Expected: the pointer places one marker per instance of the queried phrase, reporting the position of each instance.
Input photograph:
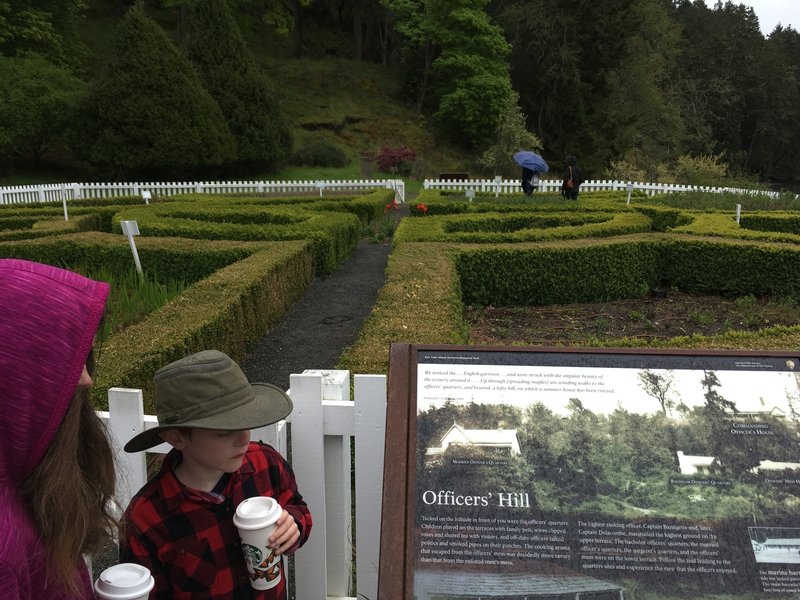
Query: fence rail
(323, 422)
(511, 186)
(60, 192)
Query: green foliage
(622, 170)
(132, 296)
(150, 115)
(240, 88)
(556, 275)
(511, 136)
(515, 228)
(785, 222)
(47, 29)
(640, 115)
(706, 169)
(597, 272)
(458, 57)
(230, 310)
(332, 225)
(320, 153)
(37, 102)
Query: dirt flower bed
(676, 314)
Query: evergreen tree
(471, 78)
(640, 118)
(658, 387)
(775, 121)
(242, 90)
(37, 102)
(510, 136)
(456, 60)
(43, 28)
(720, 60)
(150, 116)
(546, 70)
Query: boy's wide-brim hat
(208, 390)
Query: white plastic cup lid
(126, 580)
(257, 512)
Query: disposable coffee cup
(255, 519)
(126, 581)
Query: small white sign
(129, 228)
(146, 196)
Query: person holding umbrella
(532, 164)
(530, 181)
(573, 178)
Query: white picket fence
(60, 192)
(499, 186)
(323, 422)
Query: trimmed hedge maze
(246, 259)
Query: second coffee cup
(126, 581)
(255, 519)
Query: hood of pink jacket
(48, 319)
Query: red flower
(423, 208)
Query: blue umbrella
(532, 161)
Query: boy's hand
(285, 535)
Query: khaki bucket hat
(208, 390)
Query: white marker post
(738, 212)
(630, 191)
(146, 196)
(130, 229)
(470, 194)
(321, 186)
(63, 192)
(497, 180)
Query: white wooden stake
(130, 229)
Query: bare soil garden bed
(676, 314)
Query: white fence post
(307, 449)
(370, 428)
(338, 428)
(127, 407)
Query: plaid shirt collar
(174, 492)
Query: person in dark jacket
(530, 181)
(573, 178)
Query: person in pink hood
(56, 465)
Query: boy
(180, 524)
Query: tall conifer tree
(150, 115)
(240, 87)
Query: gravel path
(326, 320)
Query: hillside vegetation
(637, 89)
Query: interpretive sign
(542, 472)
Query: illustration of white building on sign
(709, 465)
(495, 439)
(772, 465)
(697, 465)
(775, 545)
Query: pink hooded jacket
(48, 318)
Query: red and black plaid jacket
(187, 538)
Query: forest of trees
(636, 88)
